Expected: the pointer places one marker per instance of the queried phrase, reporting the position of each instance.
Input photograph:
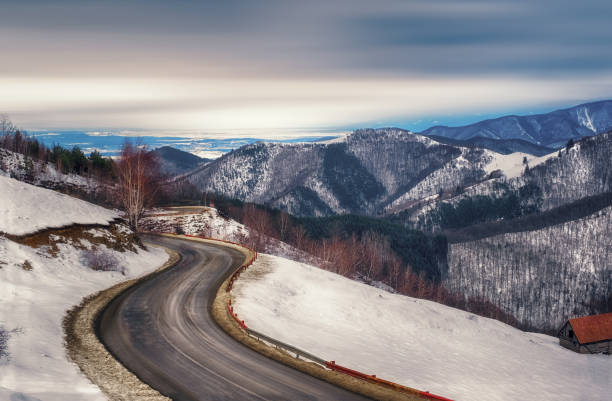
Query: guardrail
(332, 365)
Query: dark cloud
(202, 63)
(311, 38)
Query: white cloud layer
(267, 106)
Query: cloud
(283, 65)
(276, 106)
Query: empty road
(162, 330)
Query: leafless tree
(283, 225)
(139, 177)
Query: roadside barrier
(332, 365)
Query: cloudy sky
(277, 67)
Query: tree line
(369, 249)
(67, 161)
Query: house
(588, 335)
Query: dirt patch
(355, 385)
(116, 237)
(85, 349)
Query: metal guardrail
(290, 348)
(304, 354)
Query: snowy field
(512, 165)
(34, 296)
(25, 209)
(414, 342)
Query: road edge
(231, 327)
(85, 349)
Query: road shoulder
(91, 356)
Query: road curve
(163, 331)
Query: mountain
(503, 146)
(571, 174)
(552, 129)
(174, 162)
(363, 173)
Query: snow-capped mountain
(363, 173)
(552, 129)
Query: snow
(585, 119)
(13, 164)
(34, 298)
(414, 342)
(25, 209)
(339, 139)
(512, 164)
(35, 301)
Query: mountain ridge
(551, 129)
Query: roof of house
(590, 329)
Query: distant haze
(279, 68)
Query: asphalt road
(163, 331)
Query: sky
(290, 68)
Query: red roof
(590, 329)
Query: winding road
(163, 331)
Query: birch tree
(138, 177)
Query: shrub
(5, 335)
(27, 265)
(102, 260)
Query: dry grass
(118, 238)
(86, 350)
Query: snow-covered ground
(512, 165)
(37, 286)
(195, 220)
(14, 164)
(25, 208)
(414, 342)
(206, 221)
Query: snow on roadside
(206, 221)
(414, 342)
(25, 209)
(38, 285)
(34, 300)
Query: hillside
(552, 129)
(413, 342)
(173, 161)
(503, 146)
(541, 277)
(363, 173)
(27, 209)
(584, 170)
(44, 273)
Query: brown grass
(90, 355)
(117, 239)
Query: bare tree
(138, 176)
(283, 224)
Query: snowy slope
(25, 208)
(205, 221)
(414, 342)
(512, 165)
(38, 285)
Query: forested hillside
(580, 170)
(541, 277)
(365, 173)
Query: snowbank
(25, 208)
(34, 302)
(38, 285)
(414, 342)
